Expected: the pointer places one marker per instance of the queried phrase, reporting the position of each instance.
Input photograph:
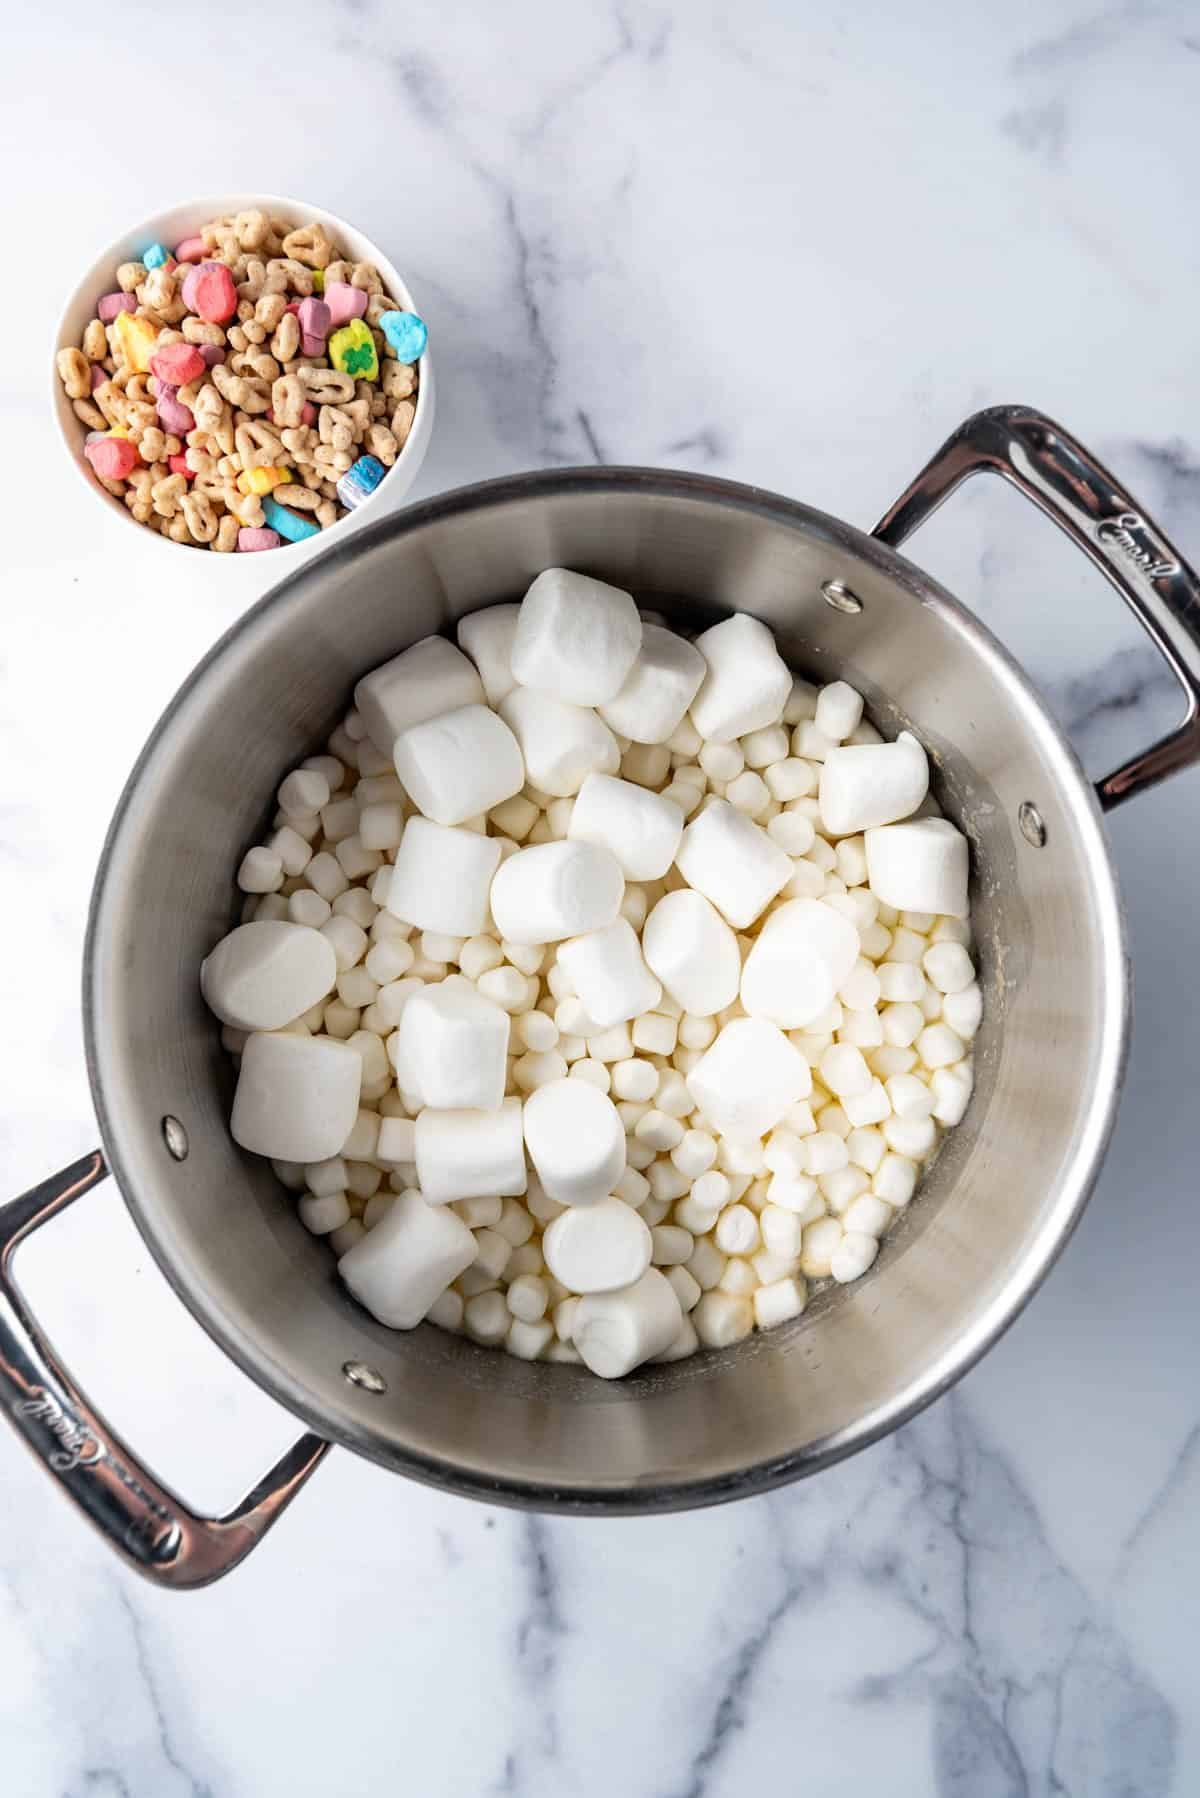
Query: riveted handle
(1097, 513)
(142, 1520)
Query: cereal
(253, 357)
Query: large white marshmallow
(429, 678)
(872, 783)
(555, 890)
(747, 681)
(575, 1140)
(608, 973)
(262, 975)
(801, 958)
(459, 764)
(749, 1078)
(402, 1266)
(658, 689)
(640, 827)
(921, 866)
(487, 637)
(442, 877)
(732, 862)
(695, 954)
(450, 1047)
(576, 637)
(297, 1096)
(561, 744)
(617, 1331)
(470, 1154)
(597, 1248)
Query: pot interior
(990, 1214)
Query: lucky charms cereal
(246, 389)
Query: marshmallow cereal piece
(640, 827)
(487, 637)
(617, 1331)
(692, 950)
(747, 681)
(554, 890)
(470, 1154)
(575, 1140)
(866, 785)
(597, 1248)
(801, 958)
(731, 861)
(402, 1266)
(459, 764)
(658, 689)
(561, 743)
(441, 878)
(576, 637)
(919, 866)
(297, 1096)
(262, 975)
(609, 975)
(450, 1047)
(749, 1078)
(431, 677)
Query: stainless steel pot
(996, 1208)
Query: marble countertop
(795, 247)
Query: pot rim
(1043, 1249)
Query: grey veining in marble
(795, 247)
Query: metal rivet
(176, 1138)
(839, 596)
(1032, 827)
(359, 1374)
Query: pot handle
(141, 1519)
(1071, 487)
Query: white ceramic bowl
(259, 571)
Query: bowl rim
(214, 206)
(688, 1491)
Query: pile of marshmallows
(592, 991)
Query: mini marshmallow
(749, 1078)
(404, 1264)
(722, 1318)
(611, 978)
(733, 863)
(853, 1256)
(598, 1248)
(487, 637)
(640, 827)
(561, 743)
(692, 950)
(658, 689)
(618, 1331)
(839, 711)
(746, 682)
(864, 787)
(442, 877)
(429, 678)
(921, 866)
(262, 975)
(459, 764)
(554, 890)
(576, 638)
(575, 1141)
(802, 956)
(470, 1154)
(297, 1096)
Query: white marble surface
(795, 247)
